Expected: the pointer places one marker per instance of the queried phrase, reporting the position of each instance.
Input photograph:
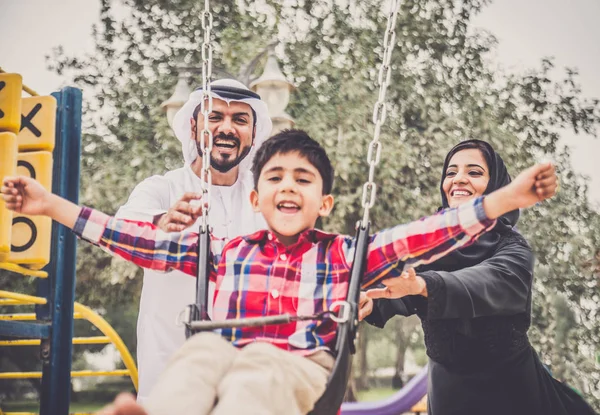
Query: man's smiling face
(232, 126)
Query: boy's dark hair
(288, 141)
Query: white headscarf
(227, 90)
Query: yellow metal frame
(20, 299)
(9, 266)
(106, 329)
(30, 92)
(80, 312)
(74, 374)
(76, 340)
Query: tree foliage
(443, 89)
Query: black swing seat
(331, 400)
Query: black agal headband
(231, 92)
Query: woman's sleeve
(384, 309)
(500, 285)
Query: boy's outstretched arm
(25, 195)
(138, 242)
(533, 185)
(426, 240)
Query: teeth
(460, 193)
(288, 205)
(228, 144)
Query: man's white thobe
(165, 295)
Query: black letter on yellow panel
(32, 234)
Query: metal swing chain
(206, 147)
(369, 188)
(379, 111)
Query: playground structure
(42, 129)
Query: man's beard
(226, 164)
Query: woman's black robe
(475, 320)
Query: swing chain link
(380, 111)
(206, 137)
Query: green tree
(443, 89)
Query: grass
(91, 407)
(76, 407)
(375, 394)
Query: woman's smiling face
(466, 177)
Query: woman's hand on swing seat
(365, 306)
(408, 283)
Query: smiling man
(233, 137)
(239, 122)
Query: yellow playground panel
(8, 167)
(25, 240)
(11, 85)
(30, 241)
(31, 235)
(27, 139)
(38, 124)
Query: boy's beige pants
(210, 376)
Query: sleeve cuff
(472, 217)
(376, 317)
(90, 224)
(436, 293)
(384, 310)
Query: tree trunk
(361, 382)
(403, 329)
(351, 395)
(401, 343)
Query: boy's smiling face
(290, 196)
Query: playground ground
(91, 407)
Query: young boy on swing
(289, 268)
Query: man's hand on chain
(182, 214)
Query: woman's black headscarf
(485, 245)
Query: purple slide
(396, 404)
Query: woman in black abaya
(476, 310)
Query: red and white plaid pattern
(256, 275)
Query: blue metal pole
(56, 376)
(26, 330)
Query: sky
(568, 31)
(527, 31)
